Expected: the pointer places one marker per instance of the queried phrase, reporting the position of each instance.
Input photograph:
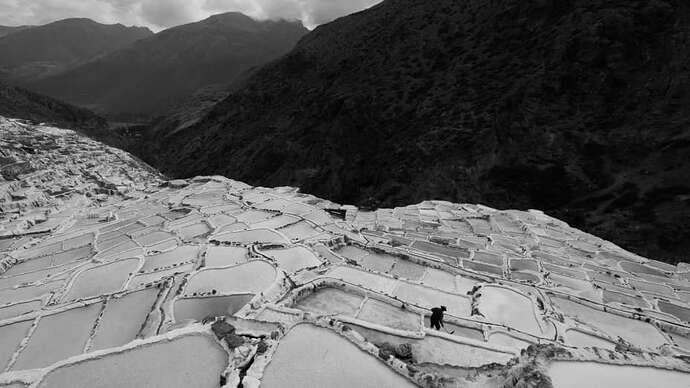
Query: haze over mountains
(33, 52)
(576, 108)
(149, 76)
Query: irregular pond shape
(58, 336)
(508, 340)
(183, 254)
(567, 374)
(330, 301)
(10, 337)
(299, 231)
(199, 308)
(426, 297)
(103, 279)
(362, 278)
(682, 313)
(636, 332)
(385, 314)
(188, 361)
(326, 360)
(508, 307)
(251, 236)
(408, 270)
(18, 309)
(582, 339)
(221, 256)
(123, 318)
(293, 259)
(154, 238)
(252, 277)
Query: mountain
(153, 74)
(22, 104)
(38, 51)
(576, 107)
(6, 30)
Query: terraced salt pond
(123, 318)
(334, 363)
(103, 279)
(636, 332)
(508, 307)
(199, 308)
(187, 361)
(121, 292)
(253, 236)
(293, 259)
(222, 256)
(10, 337)
(252, 277)
(58, 336)
(571, 374)
(437, 350)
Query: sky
(161, 14)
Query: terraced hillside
(210, 281)
(573, 107)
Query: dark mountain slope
(576, 107)
(152, 74)
(6, 30)
(23, 104)
(37, 51)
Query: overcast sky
(160, 14)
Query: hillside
(6, 30)
(22, 104)
(153, 74)
(576, 107)
(112, 276)
(38, 51)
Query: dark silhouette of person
(437, 317)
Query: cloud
(160, 14)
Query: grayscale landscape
(377, 195)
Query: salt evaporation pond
(200, 308)
(18, 309)
(252, 277)
(636, 332)
(310, 356)
(293, 259)
(508, 307)
(123, 318)
(570, 374)
(260, 236)
(104, 279)
(10, 337)
(58, 336)
(188, 361)
(222, 256)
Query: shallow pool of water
(310, 356)
(293, 259)
(58, 336)
(505, 306)
(104, 279)
(567, 374)
(200, 308)
(189, 361)
(252, 277)
(123, 318)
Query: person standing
(437, 317)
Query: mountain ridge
(37, 51)
(538, 104)
(152, 74)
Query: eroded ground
(110, 275)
